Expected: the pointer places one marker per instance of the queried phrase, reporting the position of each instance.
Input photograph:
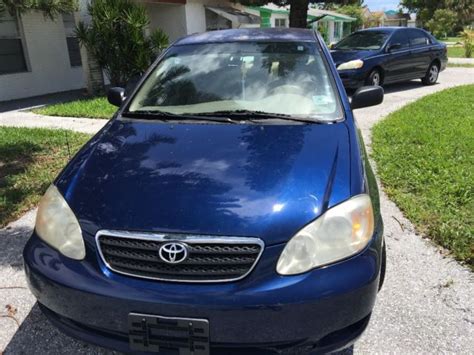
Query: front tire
(431, 76)
(374, 78)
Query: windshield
(366, 40)
(277, 78)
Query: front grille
(209, 259)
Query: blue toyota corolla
(227, 208)
(385, 55)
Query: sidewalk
(461, 60)
(32, 120)
(17, 113)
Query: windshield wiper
(247, 115)
(228, 116)
(169, 116)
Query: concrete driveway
(426, 305)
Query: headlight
(342, 231)
(57, 225)
(353, 64)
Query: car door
(420, 52)
(397, 62)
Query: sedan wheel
(431, 76)
(374, 78)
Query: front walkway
(461, 61)
(426, 305)
(32, 120)
(16, 114)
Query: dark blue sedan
(384, 55)
(227, 208)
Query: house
(387, 18)
(372, 18)
(40, 56)
(181, 17)
(396, 18)
(332, 25)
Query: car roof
(383, 29)
(250, 35)
(391, 29)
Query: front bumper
(353, 78)
(321, 310)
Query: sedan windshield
(365, 40)
(285, 79)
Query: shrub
(50, 8)
(116, 38)
(442, 23)
(468, 42)
(354, 11)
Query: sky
(382, 4)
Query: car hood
(266, 181)
(339, 56)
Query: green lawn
(456, 52)
(97, 107)
(425, 159)
(29, 161)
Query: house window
(72, 41)
(337, 30)
(280, 22)
(12, 54)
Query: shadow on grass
(15, 159)
(49, 99)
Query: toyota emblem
(173, 253)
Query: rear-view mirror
(367, 96)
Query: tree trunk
(299, 13)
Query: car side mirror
(394, 46)
(116, 96)
(367, 96)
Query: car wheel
(383, 266)
(431, 76)
(374, 78)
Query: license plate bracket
(182, 336)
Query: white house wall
(48, 61)
(168, 17)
